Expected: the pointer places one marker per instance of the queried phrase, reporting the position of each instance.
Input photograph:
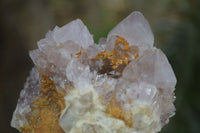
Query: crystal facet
(122, 85)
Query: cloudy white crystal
(145, 87)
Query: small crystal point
(75, 31)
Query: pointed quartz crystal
(74, 31)
(61, 44)
(152, 67)
(135, 29)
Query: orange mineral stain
(115, 110)
(47, 109)
(121, 54)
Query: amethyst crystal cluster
(122, 85)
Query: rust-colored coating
(115, 110)
(47, 109)
(120, 55)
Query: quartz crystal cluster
(122, 85)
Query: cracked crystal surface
(122, 85)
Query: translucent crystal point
(152, 67)
(135, 29)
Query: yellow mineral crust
(116, 110)
(47, 109)
(120, 55)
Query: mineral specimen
(122, 85)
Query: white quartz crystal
(122, 85)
